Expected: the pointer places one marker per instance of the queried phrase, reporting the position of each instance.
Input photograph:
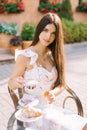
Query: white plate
(23, 119)
(30, 100)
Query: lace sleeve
(27, 53)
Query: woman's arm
(16, 79)
(56, 91)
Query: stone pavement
(76, 78)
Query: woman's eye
(46, 30)
(54, 33)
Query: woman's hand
(17, 82)
(50, 96)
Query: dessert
(46, 93)
(30, 112)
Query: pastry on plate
(30, 112)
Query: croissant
(30, 112)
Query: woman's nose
(48, 36)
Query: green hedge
(74, 32)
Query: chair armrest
(76, 99)
(20, 92)
(13, 97)
(11, 122)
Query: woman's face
(47, 36)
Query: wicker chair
(15, 98)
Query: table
(50, 112)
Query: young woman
(42, 65)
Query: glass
(30, 85)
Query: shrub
(83, 31)
(74, 32)
(8, 28)
(27, 32)
(66, 10)
(67, 31)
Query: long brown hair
(57, 47)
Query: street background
(76, 78)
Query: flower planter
(11, 7)
(26, 44)
(13, 48)
(4, 40)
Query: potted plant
(27, 34)
(15, 43)
(7, 31)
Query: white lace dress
(55, 118)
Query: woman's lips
(46, 41)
